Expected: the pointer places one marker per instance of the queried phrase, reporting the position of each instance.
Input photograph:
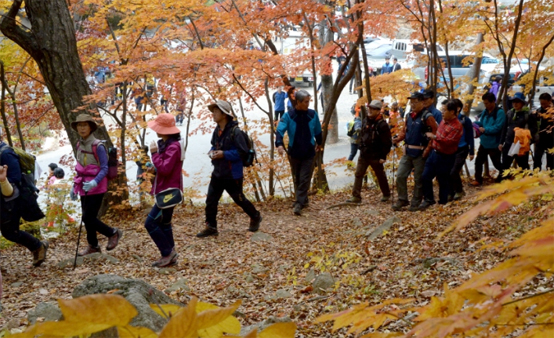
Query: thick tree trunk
(327, 87)
(51, 43)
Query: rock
(167, 271)
(357, 222)
(136, 291)
(16, 284)
(48, 311)
(262, 325)
(138, 258)
(323, 282)
(371, 212)
(98, 256)
(257, 268)
(260, 236)
(283, 293)
(385, 226)
(66, 263)
(310, 276)
(180, 284)
(248, 277)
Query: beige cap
(376, 104)
(224, 106)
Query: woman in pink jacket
(91, 183)
(168, 155)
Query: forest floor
(273, 274)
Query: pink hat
(164, 124)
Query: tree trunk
(51, 43)
(3, 104)
(327, 88)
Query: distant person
(395, 65)
(495, 86)
(279, 99)
(51, 177)
(429, 103)
(354, 127)
(387, 67)
(490, 123)
(304, 130)
(444, 145)
(545, 134)
(375, 144)
(466, 147)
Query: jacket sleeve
(431, 123)
(504, 127)
(533, 127)
(281, 129)
(468, 134)
(103, 159)
(166, 161)
(317, 130)
(498, 125)
(386, 139)
(10, 159)
(233, 155)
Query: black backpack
(248, 158)
(28, 192)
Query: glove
(153, 147)
(72, 194)
(89, 185)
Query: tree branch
(10, 28)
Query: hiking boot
(208, 231)
(450, 198)
(89, 250)
(458, 196)
(476, 184)
(385, 199)
(426, 204)
(297, 209)
(413, 208)
(167, 260)
(39, 255)
(255, 223)
(399, 205)
(354, 199)
(114, 240)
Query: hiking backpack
(249, 158)
(28, 192)
(113, 162)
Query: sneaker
(167, 260)
(255, 223)
(89, 250)
(385, 199)
(354, 199)
(426, 204)
(298, 209)
(459, 195)
(208, 231)
(114, 240)
(399, 205)
(39, 255)
(476, 184)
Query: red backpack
(113, 162)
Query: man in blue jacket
(304, 130)
(490, 122)
(387, 67)
(279, 99)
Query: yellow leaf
(135, 332)
(279, 330)
(169, 309)
(214, 321)
(183, 324)
(112, 310)
(68, 329)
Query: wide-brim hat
(224, 106)
(376, 104)
(518, 97)
(164, 124)
(85, 118)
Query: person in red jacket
(168, 155)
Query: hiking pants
(90, 206)
(540, 150)
(302, 170)
(522, 161)
(361, 169)
(440, 166)
(459, 161)
(10, 226)
(234, 189)
(407, 163)
(482, 157)
(158, 225)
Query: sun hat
(224, 106)
(376, 104)
(164, 124)
(518, 97)
(85, 118)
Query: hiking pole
(79, 237)
(393, 175)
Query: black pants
(302, 170)
(459, 161)
(90, 205)
(278, 115)
(353, 150)
(540, 150)
(11, 216)
(481, 158)
(234, 189)
(522, 161)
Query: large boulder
(47, 311)
(136, 291)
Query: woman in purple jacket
(168, 155)
(91, 183)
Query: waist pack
(169, 198)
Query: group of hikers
(437, 143)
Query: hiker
(518, 120)
(444, 145)
(465, 147)
(304, 130)
(279, 99)
(168, 155)
(354, 128)
(90, 182)
(545, 134)
(228, 146)
(375, 144)
(429, 103)
(387, 67)
(12, 206)
(490, 123)
(51, 177)
(395, 65)
(416, 149)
